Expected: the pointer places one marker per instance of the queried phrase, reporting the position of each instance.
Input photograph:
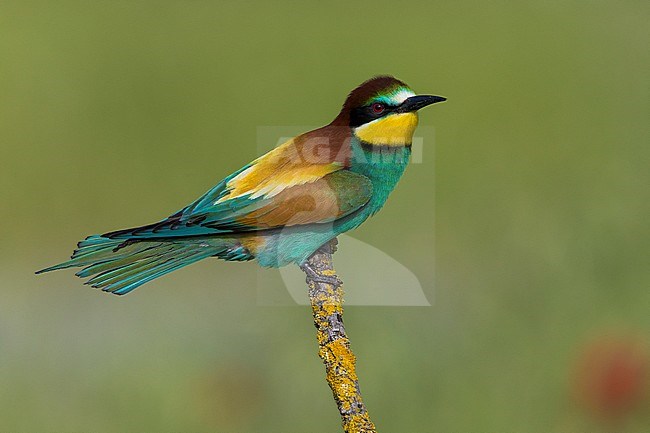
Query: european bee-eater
(280, 208)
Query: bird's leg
(313, 275)
(329, 247)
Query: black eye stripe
(365, 114)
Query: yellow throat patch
(392, 130)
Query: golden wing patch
(283, 167)
(324, 200)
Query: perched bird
(280, 208)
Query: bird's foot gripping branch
(326, 297)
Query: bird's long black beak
(414, 103)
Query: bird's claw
(312, 275)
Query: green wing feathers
(118, 262)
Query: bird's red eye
(378, 108)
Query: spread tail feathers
(120, 266)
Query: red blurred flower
(612, 376)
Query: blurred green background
(115, 114)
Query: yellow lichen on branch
(326, 296)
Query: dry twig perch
(326, 297)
